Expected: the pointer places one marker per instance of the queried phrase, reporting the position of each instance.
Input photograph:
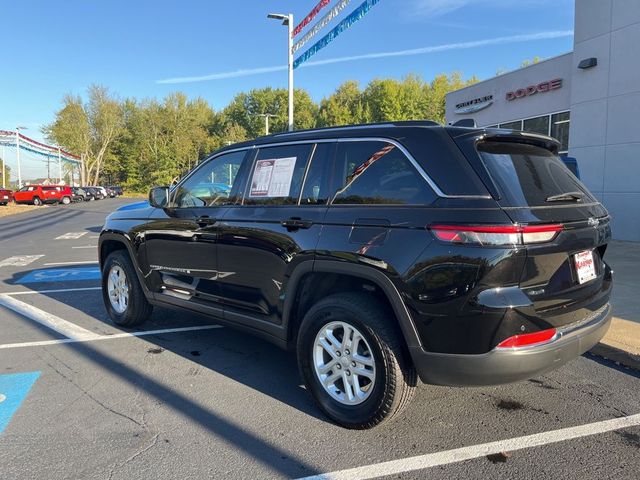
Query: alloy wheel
(344, 363)
(118, 289)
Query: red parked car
(6, 196)
(40, 194)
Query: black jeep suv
(380, 253)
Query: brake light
(529, 339)
(496, 234)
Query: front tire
(122, 293)
(65, 200)
(353, 361)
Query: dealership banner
(307, 20)
(333, 13)
(8, 138)
(345, 24)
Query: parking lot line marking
(68, 329)
(19, 260)
(56, 290)
(87, 262)
(71, 236)
(43, 343)
(86, 246)
(420, 462)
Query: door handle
(205, 221)
(295, 223)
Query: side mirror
(159, 197)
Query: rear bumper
(512, 365)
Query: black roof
(384, 129)
(393, 130)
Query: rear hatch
(566, 277)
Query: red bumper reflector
(528, 339)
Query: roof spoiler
(465, 122)
(543, 141)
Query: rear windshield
(528, 175)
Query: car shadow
(239, 356)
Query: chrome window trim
(413, 162)
(432, 184)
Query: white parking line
(68, 329)
(71, 236)
(57, 290)
(97, 337)
(447, 457)
(86, 246)
(19, 260)
(88, 262)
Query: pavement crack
(88, 394)
(141, 451)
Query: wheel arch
(110, 242)
(311, 275)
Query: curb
(616, 355)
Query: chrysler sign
(475, 105)
(542, 87)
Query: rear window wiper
(566, 197)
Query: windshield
(527, 175)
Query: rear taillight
(529, 339)
(495, 234)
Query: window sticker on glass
(272, 178)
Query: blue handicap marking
(61, 275)
(14, 388)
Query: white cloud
(437, 8)
(530, 37)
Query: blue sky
(54, 47)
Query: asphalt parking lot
(184, 398)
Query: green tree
(344, 107)
(533, 61)
(88, 128)
(245, 108)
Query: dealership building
(588, 99)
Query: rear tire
(37, 202)
(375, 381)
(122, 293)
(65, 200)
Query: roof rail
(405, 123)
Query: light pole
(59, 167)
(266, 117)
(18, 154)
(4, 185)
(287, 20)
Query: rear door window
(378, 173)
(277, 175)
(527, 175)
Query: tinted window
(560, 129)
(512, 125)
(378, 173)
(537, 125)
(316, 189)
(211, 184)
(526, 175)
(277, 175)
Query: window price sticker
(272, 178)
